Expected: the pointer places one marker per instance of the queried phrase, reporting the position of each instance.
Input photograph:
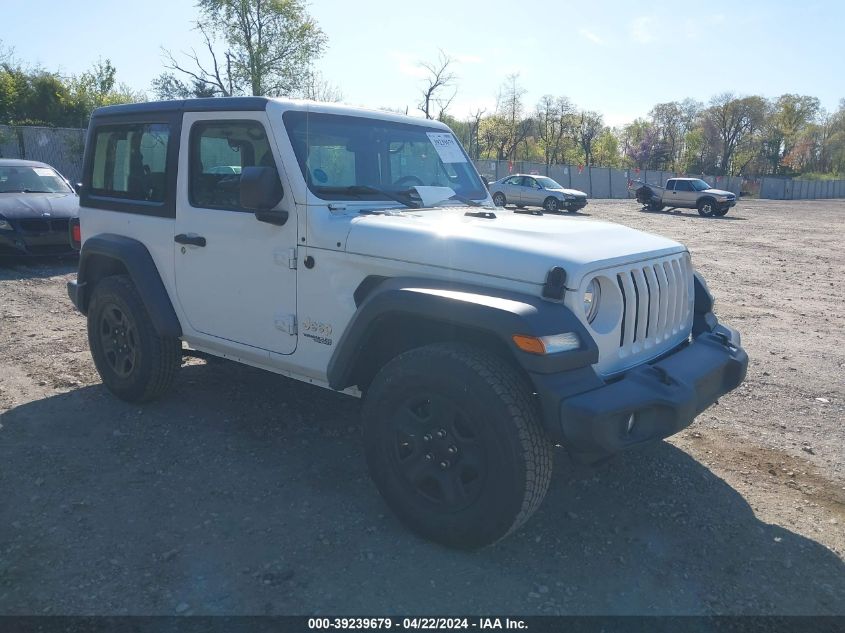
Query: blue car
(37, 204)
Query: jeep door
(235, 275)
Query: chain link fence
(63, 149)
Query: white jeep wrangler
(360, 251)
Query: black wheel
(454, 444)
(551, 204)
(135, 363)
(707, 207)
(499, 199)
(655, 206)
(720, 213)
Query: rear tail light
(75, 233)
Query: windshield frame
(473, 187)
(61, 179)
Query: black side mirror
(260, 191)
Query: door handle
(193, 240)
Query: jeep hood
(514, 246)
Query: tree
(731, 122)
(474, 133)
(437, 87)
(169, 86)
(510, 126)
(98, 87)
(257, 47)
(607, 149)
(35, 96)
(318, 88)
(590, 125)
(554, 124)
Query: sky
(618, 58)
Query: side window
(219, 150)
(683, 185)
(513, 180)
(670, 185)
(530, 182)
(130, 161)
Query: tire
(551, 204)
(720, 213)
(454, 444)
(707, 207)
(499, 199)
(134, 362)
(655, 206)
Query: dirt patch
(243, 492)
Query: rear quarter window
(130, 161)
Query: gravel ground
(246, 493)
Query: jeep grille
(657, 304)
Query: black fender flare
(500, 313)
(138, 262)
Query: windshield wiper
(402, 197)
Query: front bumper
(574, 205)
(47, 237)
(663, 396)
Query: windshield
(343, 157)
(548, 183)
(26, 179)
(700, 185)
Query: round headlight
(592, 298)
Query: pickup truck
(688, 193)
(359, 251)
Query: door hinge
(286, 323)
(286, 258)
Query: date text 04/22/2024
(416, 623)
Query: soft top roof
(213, 104)
(243, 104)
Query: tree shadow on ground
(243, 492)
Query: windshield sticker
(42, 171)
(447, 147)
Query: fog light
(630, 422)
